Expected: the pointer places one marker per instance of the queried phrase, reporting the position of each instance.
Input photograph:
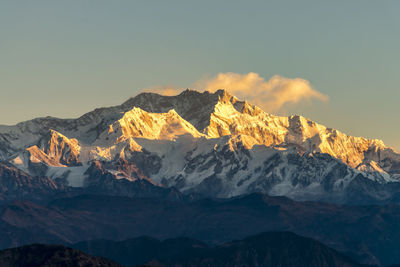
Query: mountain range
(201, 165)
(266, 249)
(367, 234)
(198, 143)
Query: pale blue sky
(64, 58)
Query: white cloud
(271, 95)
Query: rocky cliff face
(16, 184)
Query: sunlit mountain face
(207, 144)
(285, 153)
(203, 169)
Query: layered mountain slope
(208, 143)
(227, 166)
(370, 234)
(16, 184)
(266, 249)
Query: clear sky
(64, 58)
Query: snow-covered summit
(138, 123)
(200, 141)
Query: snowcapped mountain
(207, 143)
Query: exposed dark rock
(49, 256)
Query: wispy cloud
(271, 95)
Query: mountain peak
(225, 96)
(201, 141)
(55, 149)
(138, 123)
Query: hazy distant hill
(266, 249)
(370, 234)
